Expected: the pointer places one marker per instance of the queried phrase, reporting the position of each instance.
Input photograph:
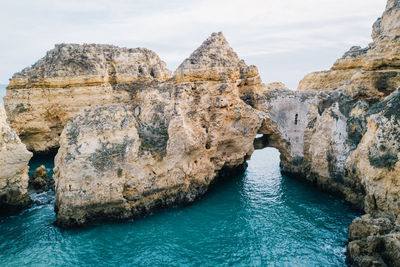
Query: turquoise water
(258, 218)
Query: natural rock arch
(205, 119)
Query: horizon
(285, 40)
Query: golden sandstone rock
(374, 70)
(41, 99)
(165, 148)
(137, 139)
(14, 160)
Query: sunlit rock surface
(42, 98)
(158, 142)
(14, 160)
(165, 148)
(374, 70)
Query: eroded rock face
(165, 148)
(167, 140)
(315, 133)
(352, 145)
(346, 145)
(374, 70)
(41, 99)
(374, 241)
(14, 160)
(376, 163)
(215, 60)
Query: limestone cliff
(352, 145)
(346, 145)
(165, 148)
(14, 160)
(149, 141)
(42, 98)
(315, 133)
(374, 70)
(376, 236)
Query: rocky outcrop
(14, 160)
(376, 236)
(175, 137)
(374, 70)
(158, 142)
(346, 145)
(215, 60)
(165, 148)
(40, 180)
(315, 133)
(42, 98)
(353, 146)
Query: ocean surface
(260, 218)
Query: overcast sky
(285, 39)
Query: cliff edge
(14, 160)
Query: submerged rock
(40, 181)
(42, 98)
(14, 160)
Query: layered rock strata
(123, 161)
(374, 70)
(42, 98)
(165, 141)
(14, 160)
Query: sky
(285, 39)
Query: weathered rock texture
(351, 144)
(374, 70)
(376, 164)
(14, 160)
(40, 180)
(164, 141)
(41, 99)
(346, 145)
(165, 148)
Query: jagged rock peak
(95, 60)
(372, 71)
(388, 26)
(214, 60)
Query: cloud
(256, 29)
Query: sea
(259, 218)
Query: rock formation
(352, 146)
(40, 180)
(14, 160)
(42, 98)
(165, 148)
(149, 141)
(374, 70)
(376, 236)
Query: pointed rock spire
(214, 60)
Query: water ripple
(259, 218)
